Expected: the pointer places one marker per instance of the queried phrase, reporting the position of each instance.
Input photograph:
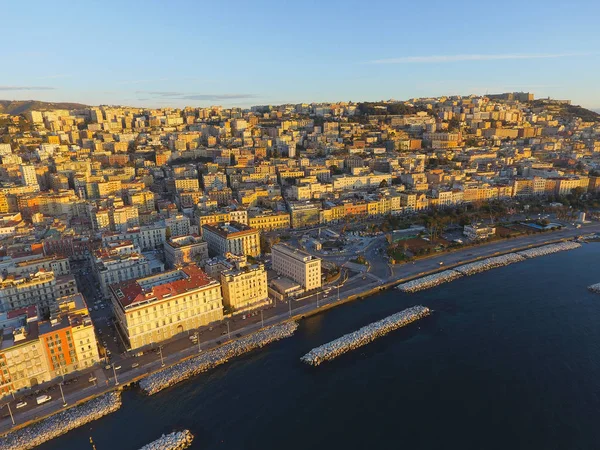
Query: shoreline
(301, 312)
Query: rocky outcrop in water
(181, 371)
(60, 423)
(595, 288)
(177, 440)
(364, 335)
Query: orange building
(57, 341)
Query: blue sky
(199, 53)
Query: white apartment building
(161, 306)
(178, 225)
(146, 237)
(231, 237)
(347, 182)
(28, 175)
(60, 266)
(35, 289)
(185, 249)
(298, 265)
(113, 266)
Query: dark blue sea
(510, 359)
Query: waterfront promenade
(355, 286)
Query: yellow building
(269, 221)
(244, 286)
(158, 307)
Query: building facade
(298, 265)
(231, 237)
(158, 307)
(244, 286)
(185, 249)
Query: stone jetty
(489, 263)
(429, 281)
(549, 249)
(170, 376)
(595, 288)
(60, 423)
(364, 335)
(177, 440)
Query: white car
(21, 405)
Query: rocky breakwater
(595, 288)
(60, 423)
(429, 281)
(173, 441)
(549, 249)
(489, 263)
(181, 371)
(364, 335)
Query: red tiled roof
(194, 278)
(29, 311)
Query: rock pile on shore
(446, 276)
(549, 249)
(489, 263)
(177, 440)
(60, 423)
(364, 335)
(595, 288)
(429, 281)
(158, 381)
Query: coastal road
(485, 250)
(177, 349)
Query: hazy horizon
(186, 53)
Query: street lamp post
(11, 414)
(62, 394)
(338, 291)
(228, 333)
(162, 361)
(115, 372)
(262, 322)
(198, 337)
(317, 299)
(290, 305)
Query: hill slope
(16, 107)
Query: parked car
(21, 405)
(134, 365)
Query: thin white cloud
(26, 88)
(474, 57)
(53, 77)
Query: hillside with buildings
(15, 107)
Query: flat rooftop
(229, 229)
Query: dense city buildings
(116, 194)
(34, 351)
